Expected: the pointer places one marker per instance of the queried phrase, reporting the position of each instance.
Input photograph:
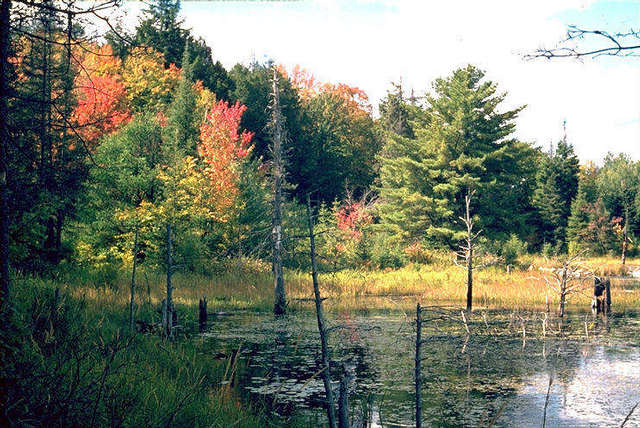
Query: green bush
(512, 249)
(386, 253)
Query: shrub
(512, 249)
(417, 253)
(387, 254)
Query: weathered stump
(601, 295)
(343, 398)
(202, 314)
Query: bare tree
(324, 347)
(418, 367)
(167, 307)
(604, 44)
(567, 279)
(133, 280)
(277, 130)
(466, 251)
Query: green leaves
(460, 144)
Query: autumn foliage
(101, 97)
(308, 87)
(352, 217)
(222, 145)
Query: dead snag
(418, 368)
(202, 314)
(326, 375)
(277, 131)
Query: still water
(514, 369)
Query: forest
(159, 212)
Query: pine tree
(462, 143)
(183, 122)
(619, 186)
(162, 29)
(394, 112)
(556, 187)
(580, 217)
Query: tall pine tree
(556, 187)
(462, 143)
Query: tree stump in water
(202, 314)
(601, 295)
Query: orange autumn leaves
(222, 146)
(101, 107)
(308, 87)
(109, 93)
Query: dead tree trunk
(202, 314)
(563, 290)
(418, 368)
(280, 303)
(5, 285)
(343, 399)
(625, 232)
(466, 250)
(326, 375)
(133, 280)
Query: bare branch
(617, 44)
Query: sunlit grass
(245, 286)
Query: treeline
(114, 142)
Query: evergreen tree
(161, 28)
(462, 143)
(183, 120)
(580, 217)
(556, 187)
(394, 113)
(619, 186)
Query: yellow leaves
(149, 85)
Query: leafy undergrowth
(70, 361)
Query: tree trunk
(169, 319)
(417, 367)
(326, 375)
(563, 290)
(280, 303)
(625, 234)
(5, 284)
(133, 280)
(45, 135)
(343, 399)
(470, 277)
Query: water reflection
(496, 375)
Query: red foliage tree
(101, 107)
(222, 146)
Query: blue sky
(369, 43)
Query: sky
(371, 43)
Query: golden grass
(242, 287)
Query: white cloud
(369, 43)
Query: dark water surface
(496, 375)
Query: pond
(513, 369)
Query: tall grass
(248, 285)
(69, 360)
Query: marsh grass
(248, 285)
(71, 361)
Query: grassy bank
(68, 359)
